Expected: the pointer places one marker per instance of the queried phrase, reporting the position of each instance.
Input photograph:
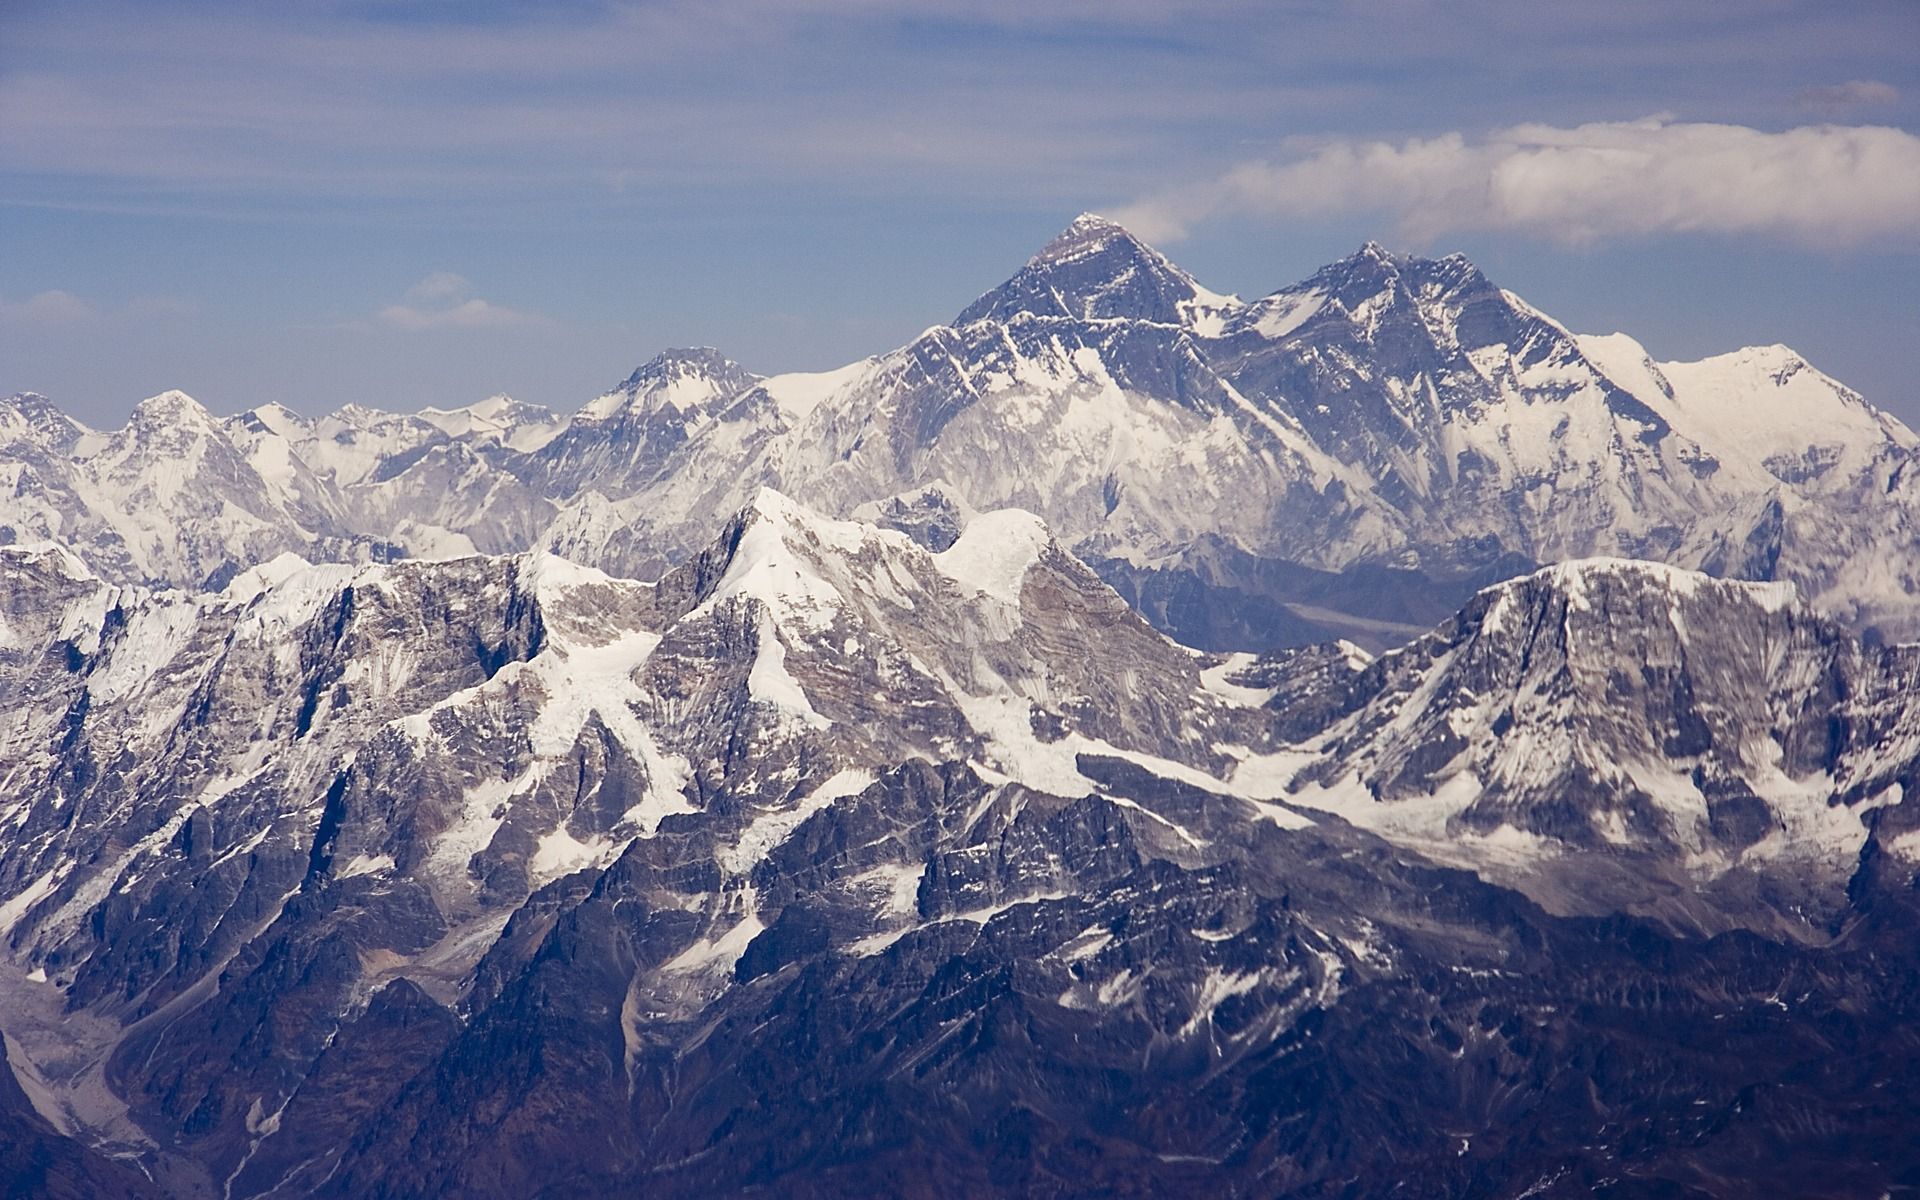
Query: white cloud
(1855, 93)
(47, 307)
(440, 285)
(1822, 185)
(442, 301)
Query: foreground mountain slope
(328, 777)
(1610, 734)
(832, 863)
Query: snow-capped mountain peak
(1768, 414)
(1391, 410)
(272, 418)
(32, 418)
(1085, 236)
(995, 551)
(1095, 269)
(1608, 708)
(499, 418)
(172, 407)
(684, 379)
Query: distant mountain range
(1352, 455)
(780, 786)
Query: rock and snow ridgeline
(1389, 413)
(452, 787)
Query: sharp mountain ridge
(1351, 455)
(504, 876)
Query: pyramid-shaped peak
(1088, 233)
(172, 407)
(772, 549)
(774, 508)
(772, 504)
(271, 417)
(1092, 270)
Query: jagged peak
(1376, 265)
(679, 362)
(1373, 281)
(686, 378)
(771, 552)
(35, 412)
(676, 356)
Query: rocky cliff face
(834, 863)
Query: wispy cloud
(1855, 93)
(49, 307)
(442, 300)
(57, 306)
(440, 285)
(490, 115)
(1819, 185)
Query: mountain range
(1350, 456)
(943, 776)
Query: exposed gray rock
(830, 863)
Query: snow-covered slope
(433, 743)
(169, 496)
(1281, 457)
(1389, 412)
(297, 870)
(501, 418)
(1607, 709)
(1768, 414)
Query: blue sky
(402, 204)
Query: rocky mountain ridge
(1354, 454)
(830, 860)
